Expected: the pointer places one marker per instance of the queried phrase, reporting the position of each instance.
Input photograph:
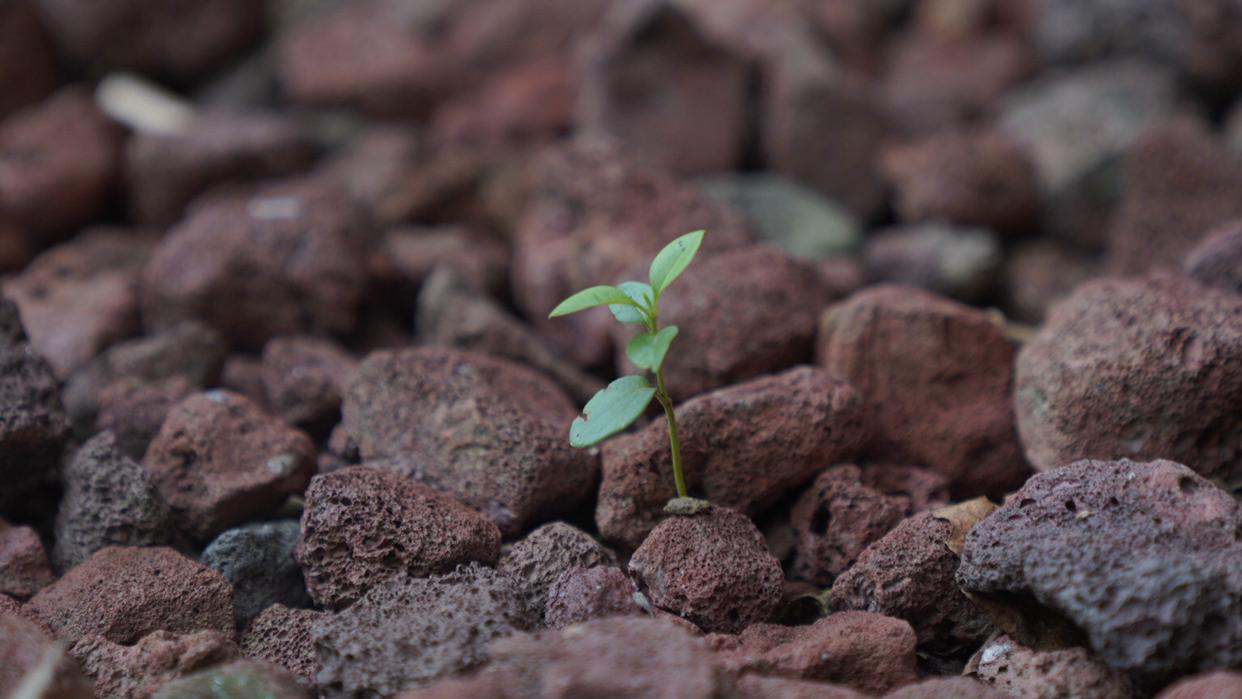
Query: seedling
(618, 405)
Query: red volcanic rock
(133, 412)
(24, 569)
(219, 461)
(532, 102)
(938, 687)
(535, 562)
(1017, 670)
(1217, 260)
(1141, 369)
(581, 594)
(743, 447)
(124, 593)
(1221, 684)
(287, 260)
(361, 525)
(59, 161)
(867, 652)
(415, 252)
(1038, 273)
(712, 568)
(759, 687)
(33, 426)
(160, 657)
(488, 431)
(282, 636)
(936, 378)
(303, 378)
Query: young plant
(624, 400)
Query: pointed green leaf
(611, 410)
(647, 350)
(590, 298)
(674, 259)
(641, 294)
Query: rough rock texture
(1142, 558)
(909, 574)
(137, 671)
(759, 687)
(867, 652)
(285, 261)
(257, 560)
(12, 332)
(938, 687)
(1026, 673)
(1180, 183)
(81, 296)
(282, 636)
(58, 163)
(594, 217)
(134, 411)
(977, 178)
(1222, 684)
(237, 680)
(33, 425)
(362, 525)
(24, 569)
(743, 447)
(712, 568)
(1138, 369)
(29, 69)
(109, 500)
(124, 593)
(219, 460)
(535, 562)
(936, 378)
(962, 263)
(488, 431)
(176, 43)
(166, 170)
(653, 81)
(581, 594)
(411, 630)
(728, 333)
(1217, 259)
(303, 378)
(25, 650)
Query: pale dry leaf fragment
(963, 517)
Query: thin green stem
(674, 442)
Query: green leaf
(641, 294)
(647, 350)
(674, 259)
(611, 410)
(590, 298)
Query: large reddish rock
(287, 259)
(29, 70)
(867, 652)
(137, 671)
(134, 411)
(33, 425)
(596, 217)
(282, 636)
(655, 82)
(1139, 369)
(303, 378)
(535, 562)
(712, 567)
(581, 594)
(219, 460)
(166, 170)
(362, 525)
(1217, 259)
(743, 448)
(1222, 684)
(408, 631)
(124, 593)
(59, 161)
(936, 377)
(1143, 559)
(31, 665)
(169, 41)
(81, 296)
(1020, 671)
(1180, 184)
(727, 332)
(24, 569)
(488, 431)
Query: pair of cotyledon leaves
(621, 403)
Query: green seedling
(618, 405)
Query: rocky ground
(959, 366)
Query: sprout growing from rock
(619, 404)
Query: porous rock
(535, 562)
(362, 524)
(257, 560)
(282, 636)
(137, 671)
(743, 447)
(24, 569)
(581, 594)
(33, 425)
(124, 593)
(488, 431)
(1027, 673)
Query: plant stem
(674, 442)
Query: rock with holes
(158, 658)
(31, 665)
(743, 447)
(33, 425)
(24, 569)
(408, 631)
(282, 636)
(712, 568)
(362, 524)
(1142, 558)
(1217, 260)
(303, 378)
(543, 555)
(486, 430)
(1140, 369)
(257, 560)
(124, 593)
(936, 377)
(240, 679)
(867, 652)
(581, 594)
(1020, 671)
(285, 260)
(219, 460)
